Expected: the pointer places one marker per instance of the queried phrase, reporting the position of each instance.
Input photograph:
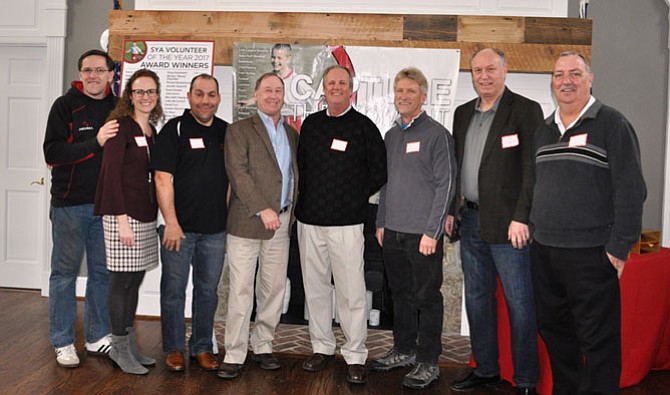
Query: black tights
(123, 295)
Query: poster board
(175, 62)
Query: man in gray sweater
(413, 205)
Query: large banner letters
(374, 68)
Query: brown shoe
(175, 361)
(317, 362)
(357, 374)
(206, 360)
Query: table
(645, 323)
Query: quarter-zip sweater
(422, 177)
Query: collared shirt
(282, 150)
(343, 112)
(559, 122)
(403, 126)
(475, 139)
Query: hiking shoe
(391, 360)
(67, 356)
(421, 376)
(101, 347)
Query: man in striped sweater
(586, 215)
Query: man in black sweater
(342, 162)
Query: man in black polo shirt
(191, 187)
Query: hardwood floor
(28, 366)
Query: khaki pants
(336, 251)
(272, 259)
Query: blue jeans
(75, 228)
(481, 263)
(415, 282)
(205, 252)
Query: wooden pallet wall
(531, 43)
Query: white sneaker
(101, 347)
(67, 356)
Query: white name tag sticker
(339, 145)
(413, 146)
(510, 141)
(197, 143)
(578, 140)
(141, 141)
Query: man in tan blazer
(260, 156)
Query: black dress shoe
(317, 362)
(267, 361)
(525, 391)
(357, 374)
(229, 370)
(474, 381)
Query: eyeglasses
(142, 92)
(97, 70)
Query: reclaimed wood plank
(472, 28)
(558, 30)
(430, 27)
(531, 44)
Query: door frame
(41, 23)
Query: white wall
(558, 8)
(27, 27)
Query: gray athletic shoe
(421, 376)
(393, 359)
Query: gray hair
(498, 51)
(587, 66)
(413, 74)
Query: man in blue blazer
(494, 149)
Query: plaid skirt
(142, 256)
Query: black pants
(415, 282)
(123, 295)
(579, 317)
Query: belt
(284, 209)
(472, 205)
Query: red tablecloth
(645, 323)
